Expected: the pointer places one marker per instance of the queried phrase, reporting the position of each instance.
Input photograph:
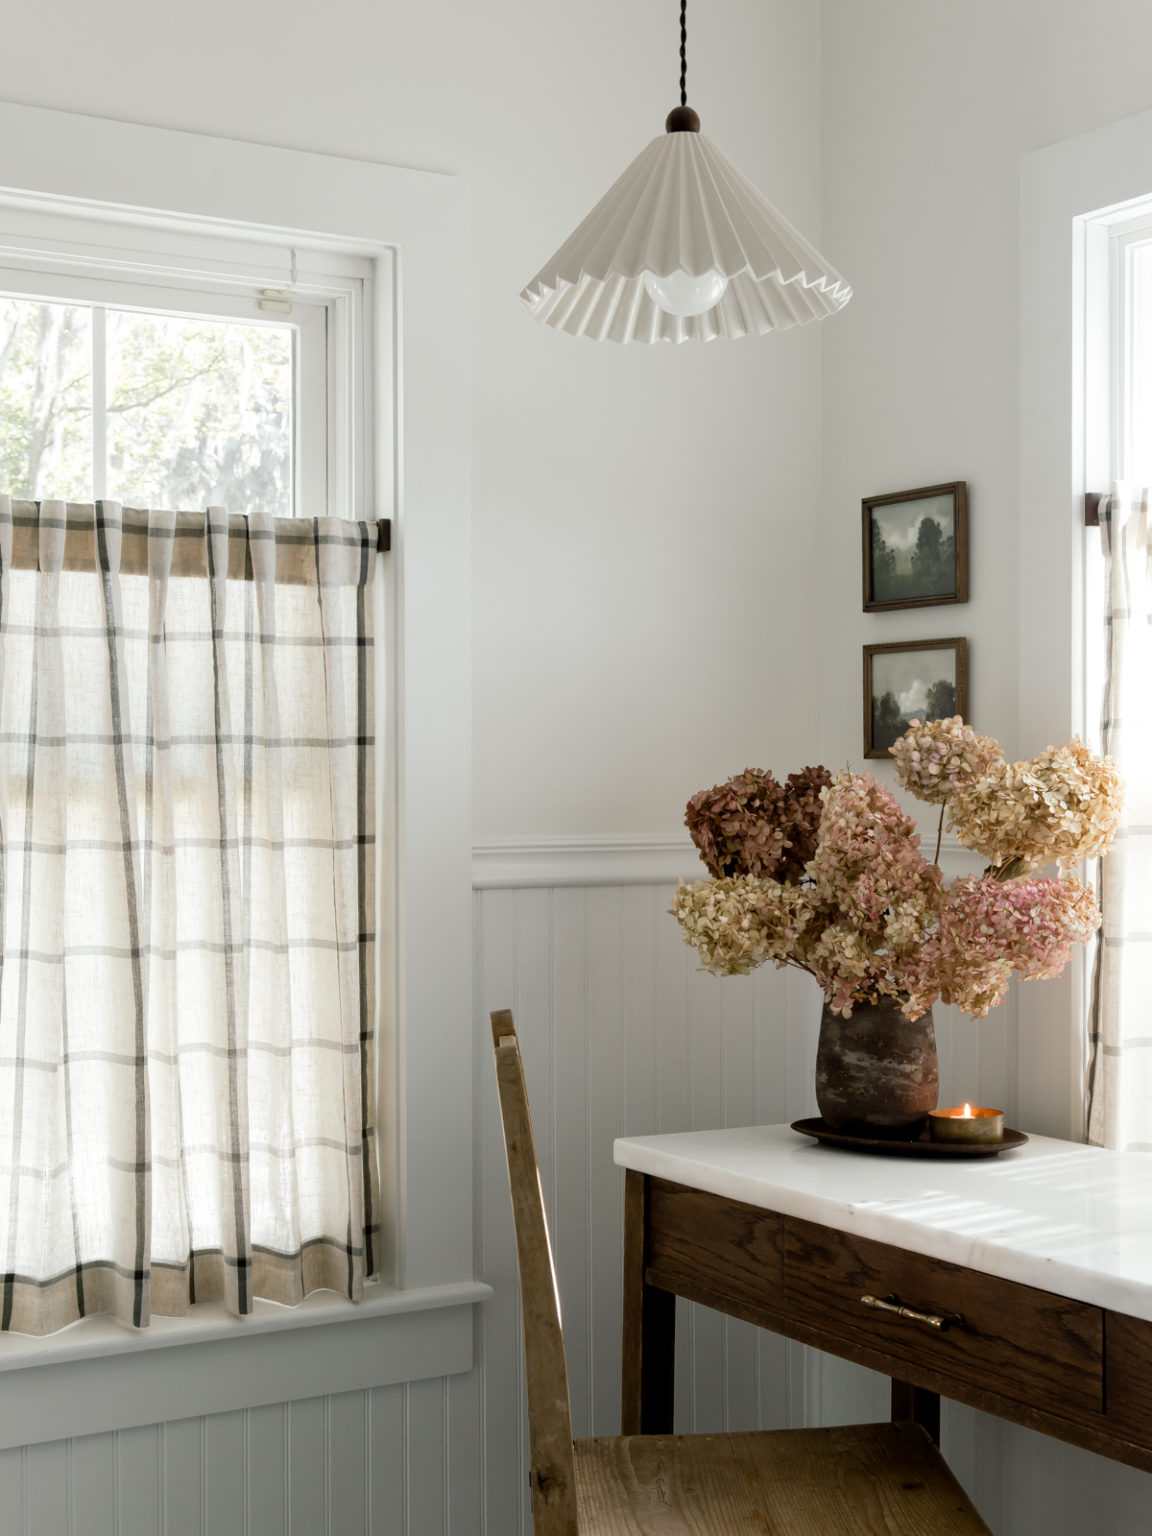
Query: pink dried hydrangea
(868, 857)
(874, 895)
(754, 825)
(989, 929)
(933, 758)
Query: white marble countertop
(1063, 1217)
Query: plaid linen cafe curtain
(1120, 1082)
(186, 857)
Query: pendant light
(683, 248)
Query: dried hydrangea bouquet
(825, 873)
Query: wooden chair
(866, 1480)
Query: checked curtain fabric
(187, 908)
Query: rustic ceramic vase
(876, 1072)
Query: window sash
(202, 279)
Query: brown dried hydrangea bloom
(754, 825)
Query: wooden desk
(792, 1237)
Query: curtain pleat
(1120, 1077)
(187, 898)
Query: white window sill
(99, 1375)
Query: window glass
(199, 412)
(1138, 466)
(153, 410)
(45, 400)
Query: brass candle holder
(966, 1124)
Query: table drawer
(1128, 1371)
(713, 1249)
(1007, 1338)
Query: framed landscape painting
(911, 680)
(915, 547)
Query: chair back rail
(552, 1474)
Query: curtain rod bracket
(1093, 501)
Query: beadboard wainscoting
(621, 1034)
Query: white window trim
(414, 226)
(1069, 192)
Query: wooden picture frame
(913, 567)
(906, 685)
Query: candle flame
(967, 1114)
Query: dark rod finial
(682, 120)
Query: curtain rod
(295, 556)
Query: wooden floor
(865, 1480)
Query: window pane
(199, 413)
(45, 400)
(1138, 455)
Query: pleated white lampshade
(682, 207)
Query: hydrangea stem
(940, 832)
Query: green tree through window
(197, 411)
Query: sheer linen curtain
(1120, 1080)
(187, 993)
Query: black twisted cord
(683, 53)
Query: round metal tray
(921, 1147)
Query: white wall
(643, 519)
(927, 108)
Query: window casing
(413, 229)
(1071, 194)
(413, 412)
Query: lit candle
(966, 1124)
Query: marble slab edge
(1045, 1272)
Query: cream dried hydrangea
(738, 922)
(934, 757)
(1057, 808)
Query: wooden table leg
(649, 1343)
(918, 1405)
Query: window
(156, 410)
(1118, 656)
(187, 1001)
(146, 370)
(1130, 337)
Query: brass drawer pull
(941, 1321)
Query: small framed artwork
(911, 680)
(915, 547)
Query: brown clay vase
(876, 1072)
